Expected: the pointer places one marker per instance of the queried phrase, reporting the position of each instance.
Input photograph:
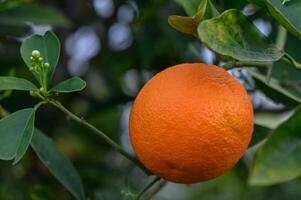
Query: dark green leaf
(21, 15)
(288, 14)
(49, 47)
(70, 85)
(258, 2)
(232, 35)
(278, 160)
(292, 93)
(259, 133)
(273, 94)
(190, 6)
(42, 193)
(211, 11)
(16, 131)
(259, 136)
(58, 164)
(13, 83)
(6, 4)
(7, 93)
(250, 153)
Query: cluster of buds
(37, 62)
(40, 68)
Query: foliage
(272, 160)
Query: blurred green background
(116, 46)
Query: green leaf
(232, 35)
(199, 16)
(259, 134)
(19, 16)
(70, 85)
(16, 131)
(13, 83)
(278, 160)
(58, 164)
(25, 140)
(183, 24)
(5, 4)
(7, 93)
(287, 14)
(258, 2)
(211, 10)
(42, 193)
(190, 6)
(292, 93)
(49, 47)
(273, 94)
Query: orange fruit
(191, 123)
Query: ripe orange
(191, 123)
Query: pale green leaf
(16, 131)
(288, 14)
(13, 83)
(278, 159)
(232, 35)
(49, 47)
(20, 16)
(70, 85)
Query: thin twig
(157, 189)
(237, 64)
(37, 106)
(291, 61)
(281, 37)
(280, 43)
(116, 146)
(147, 187)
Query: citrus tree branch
(112, 143)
